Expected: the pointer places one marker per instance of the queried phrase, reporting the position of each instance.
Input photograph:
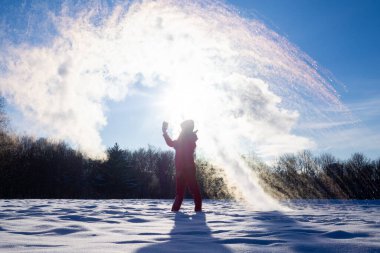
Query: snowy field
(148, 226)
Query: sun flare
(244, 85)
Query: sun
(187, 101)
(181, 103)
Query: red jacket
(184, 150)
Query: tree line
(39, 168)
(42, 168)
(302, 175)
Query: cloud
(366, 109)
(327, 124)
(356, 138)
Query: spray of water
(246, 87)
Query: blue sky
(342, 36)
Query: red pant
(187, 179)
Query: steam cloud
(245, 86)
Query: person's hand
(164, 127)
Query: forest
(42, 168)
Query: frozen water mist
(245, 86)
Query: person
(184, 164)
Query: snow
(225, 226)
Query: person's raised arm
(167, 138)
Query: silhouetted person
(184, 164)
